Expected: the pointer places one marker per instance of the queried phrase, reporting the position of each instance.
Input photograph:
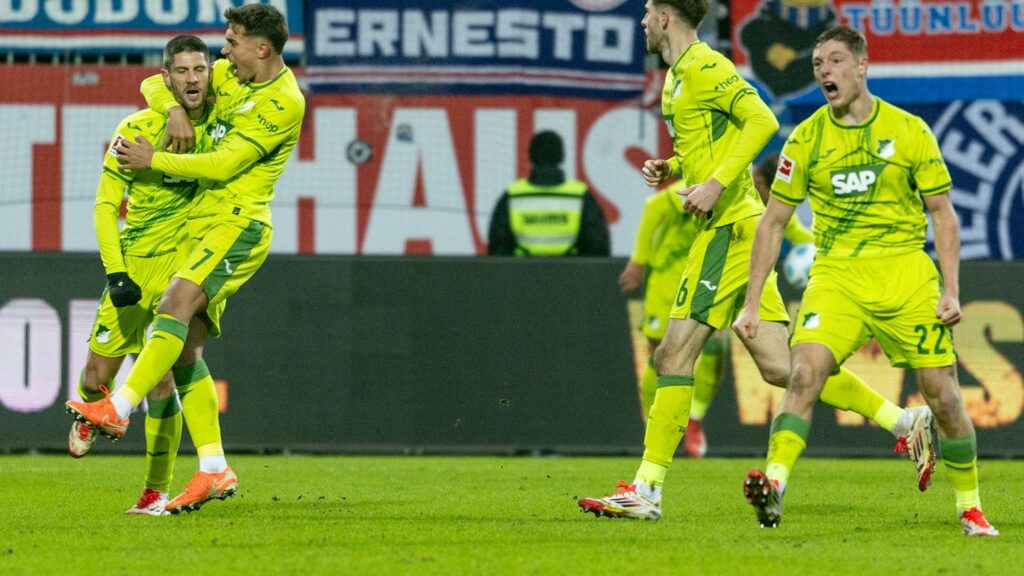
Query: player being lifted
(259, 113)
(140, 261)
(718, 125)
(868, 167)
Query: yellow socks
(158, 355)
(706, 376)
(667, 420)
(847, 391)
(787, 441)
(648, 386)
(163, 436)
(199, 403)
(961, 459)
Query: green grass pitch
(493, 515)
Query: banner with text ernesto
(124, 26)
(435, 103)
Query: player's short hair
(854, 41)
(184, 43)
(261, 20)
(693, 11)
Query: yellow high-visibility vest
(545, 219)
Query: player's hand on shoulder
(181, 136)
(656, 171)
(123, 290)
(134, 154)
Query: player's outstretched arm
(947, 247)
(763, 255)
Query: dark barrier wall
(402, 354)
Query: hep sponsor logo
(856, 181)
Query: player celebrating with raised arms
(869, 168)
(718, 125)
(259, 112)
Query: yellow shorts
(659, 294)
(117, 332)
(224, 253)
(893, 299)
(714, 282)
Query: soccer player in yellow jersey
(663, 241)
(718, 125)
(869, 168)
(259, 112)
(140, 261)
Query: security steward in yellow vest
(545, 214)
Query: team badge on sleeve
(117, 140)
(785, 171)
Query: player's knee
(802, 377)
(775, 373)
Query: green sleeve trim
(263, 151)
(793, 423)
(670, 380)
(117, 175)
(937, 190)
(960, 450)
(740, 94)
(162, 409)
(170, 325)
(786, 199)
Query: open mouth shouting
(830, 89)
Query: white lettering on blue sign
(513, 33)
(912, 18)
(47, 13)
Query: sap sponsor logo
(850, 182)
(503, 34)
(914, 18)
(983, 146)
(144, 13)
(785, 170)
(218, 131)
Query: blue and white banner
(569, 47)
(124, 26)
